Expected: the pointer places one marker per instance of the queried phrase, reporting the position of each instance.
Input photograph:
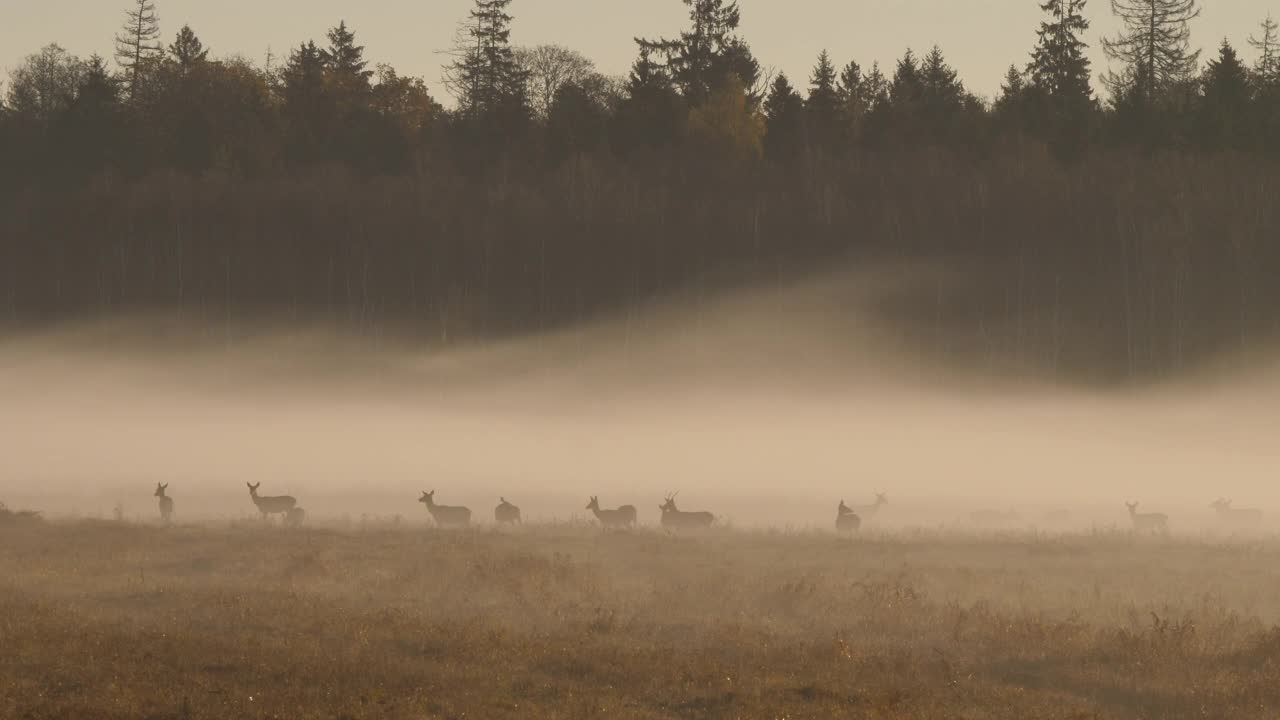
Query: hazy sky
(980, 37)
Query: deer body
(675, 519)
(278, 505)
(445, 515)
(847, 519)
(166, 502)
(624, 516)
(506, 513)
(1148, 522)
(295, 516)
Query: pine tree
(1267, 69)
(187, 50)
(344, 59)
(708, 55)
(652, 113)
(1153, 48)
(784, 120)
(486, 78)
(942, 89)
(1059, 65)
(138, 44)
(822, 106)
(853, 100)
(1224, 112)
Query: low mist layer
(765, 407)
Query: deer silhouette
(1147, 522)
(506, 513)
(624, 516)
(1235, 516)
(166, 502)
(847, 519)
(268, 506)
(675, 519)
(445, 515)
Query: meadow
(236, 619)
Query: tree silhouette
(1224, 112)
(1267, 68)
(1153, 47)
(784, 120)
(823, 104)
(187, 50)
(549, 67)
(138, 43)
(709, 54)
(486, 79)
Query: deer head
(428, 498)
(1133, 507)
(844, 509)
(253, 488)
(160, 489)
(881, 499)
(670, 504)
(594, 504)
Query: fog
(763, 406)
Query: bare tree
(1267, 69)
(138, 43)
(1154, 46)
(549, 68)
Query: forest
(1115, 233)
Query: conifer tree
(784, 120)
(1267, 68)
(1153, 48)
(486, 79)
(710, 53)
(823, 104)
(344, 59)
(1224, 107)
(1059, 65)
(138, 44)
(187, 50)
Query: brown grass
(113, 620)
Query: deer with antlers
(506, 513)
(624, 516)
(445, 515)
(846, 519)
(166, 502)
(675, 519)
(268, 506)
(1147, 522)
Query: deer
(166, 502)
(847, 519)
(869, 511)
(1148, 522)
(445, 515)
(1235, 516)
(675, 519)
(506, 513)
(295, 517)
(624, 516)
(268, 506)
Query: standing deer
(506, 513)
(1235, 516)
(869, 511)
(166, 502)
(1148, 522)
(846, 518)
(675, 519)
(624, 516)
(268, 506)
(445, 515)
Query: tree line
(323, 183)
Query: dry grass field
(102, 619)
